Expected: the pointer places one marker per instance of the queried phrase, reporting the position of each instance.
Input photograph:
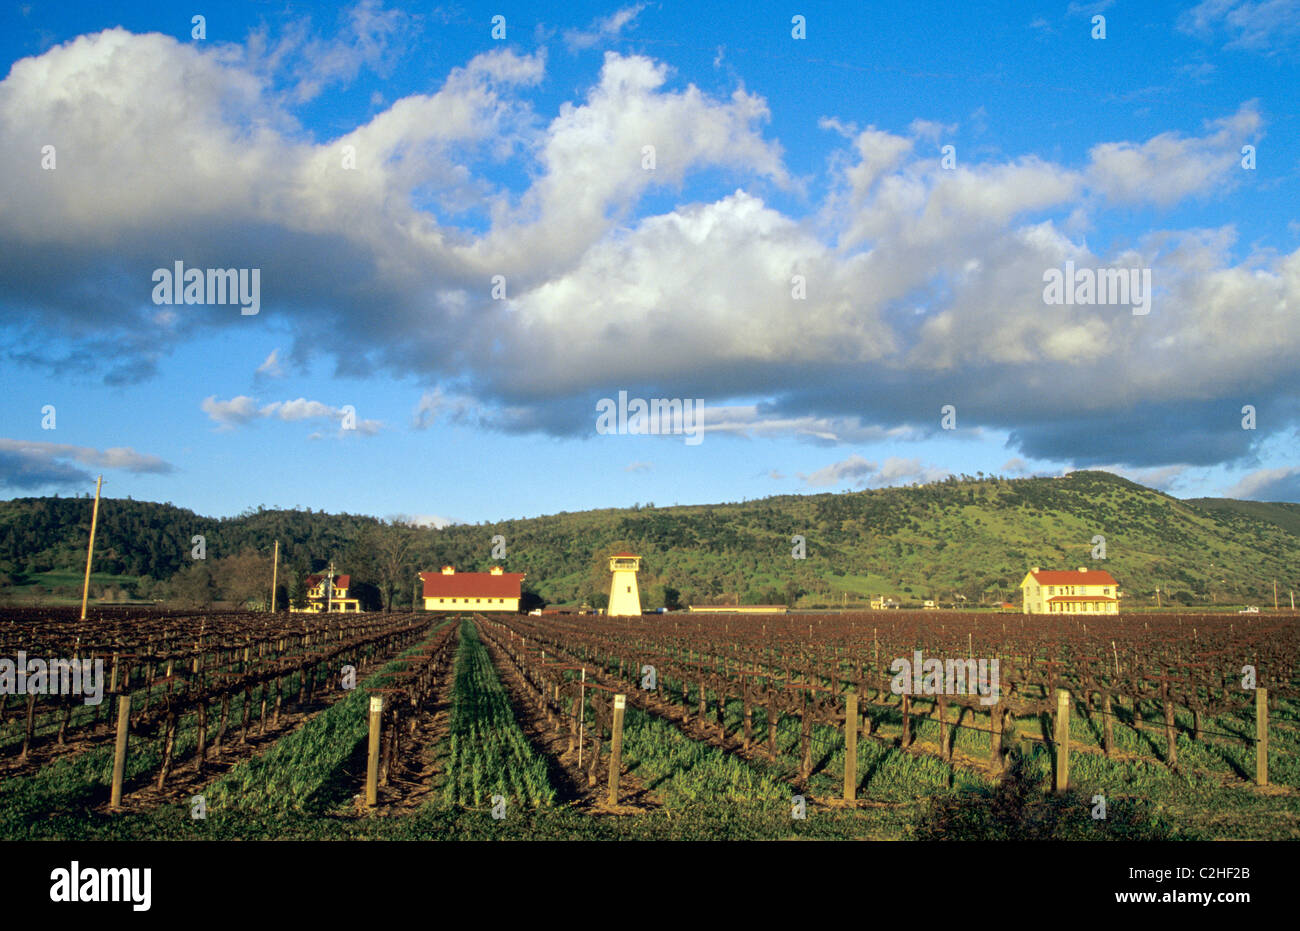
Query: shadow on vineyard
(1019, 808)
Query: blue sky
(381, 165)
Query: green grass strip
(489, 754)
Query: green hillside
(1284, 514)
(961, 539)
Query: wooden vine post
(997, 720)
(1108, 730)
(119, 749)
(851, 746)
(372, 756)
(616, 747)
(1261, 737)
(1062, 780)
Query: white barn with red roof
(1087, 591)
(449, 590)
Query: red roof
(340, 581)
(625, 555)
(472, 585)
(1065, 577)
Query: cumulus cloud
(28, 465)
(242, 410)
(270, 367)
(1282, 484)
(907, 286)
(864, 473)
(436, 521)
(1165, 478)
(603, 28)
(1169, 167)
(1258, 25)
(854, 467)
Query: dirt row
(687, 721)
(185, 781)
(570, 781)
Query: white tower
(624, 598)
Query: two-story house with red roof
(324, 594)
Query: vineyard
(856, 725)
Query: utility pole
(275, 568)
(329, 589)
(415, 595)
(1275, 594)
(1157, 596)
(90, 551)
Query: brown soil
(45, 749)
(417, 775)
(184, 782)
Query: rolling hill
(966, 538)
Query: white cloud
(692, 301)
(897, 471)
(604, 28)
(229, 414)
(436, 521)
(27, 464)
(1281, 484)
(1258, 25)
(854, 467)
(271, 368)
(243, 409)
(1164, 478)
(1169, 167)
(864, 473)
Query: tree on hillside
(390, 551)
(298, 585)
(193, 586)
(243, 579)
